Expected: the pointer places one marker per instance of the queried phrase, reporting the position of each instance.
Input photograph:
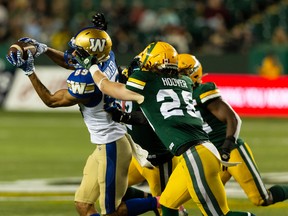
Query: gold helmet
(189, 65)
(158, 56)
(96, 42)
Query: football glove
(84, 58)
(123, 74)
(28, 65)
(15, 60)
(110, 104)
(120, 116)
(226, 148)
(99, 21)
(126, 72)
(70, 59)
(40, 47)
(134, 65)
(134, 118)
(114, 108)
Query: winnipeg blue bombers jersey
(99, 123)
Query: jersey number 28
(173, 108)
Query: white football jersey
(100, 125)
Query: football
(23, 47)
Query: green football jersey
(202, 96)
(168, 108)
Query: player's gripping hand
(15, 59)
(40, 47)
(226, 148)
(114, 108)
(110, 104)
(134, 65)
(99, 21)
(126, 72)
(134, 118)
(28, 65)
(120, 116)
(84, 58)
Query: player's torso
(168, 107)
(202, 95)
(99, 123)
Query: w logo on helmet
(97, 44)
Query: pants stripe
(111, 157)
(254, 171)
(201, 187)
(165, 171)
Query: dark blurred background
(227, 36)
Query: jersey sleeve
(209, 91)
(81, 85)
(137, 81)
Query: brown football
(23, 47)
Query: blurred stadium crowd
(208, 26)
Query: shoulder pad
(81, 84)
(208, 86)
(207, 92)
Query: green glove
(84, 58)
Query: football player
(223, 126)
(166, 100)
(143, 134)
(106, 171)
(137, 125)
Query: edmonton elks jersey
(101, 127)
(168, 108)
(202, 96)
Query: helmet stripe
(197, 63)
(149, 50)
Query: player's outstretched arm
(57, 57)
(60, 98)
(116, 90)
(113, 89)
(40, 47)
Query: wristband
(100, 82)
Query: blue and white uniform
(106, 170)
(101, 127)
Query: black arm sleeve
(137, 117)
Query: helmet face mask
(190, 66)
(96, 42)
(158, 56)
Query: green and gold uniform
(246, 173)
(169, 110)
(163, 160)
(165, 100)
